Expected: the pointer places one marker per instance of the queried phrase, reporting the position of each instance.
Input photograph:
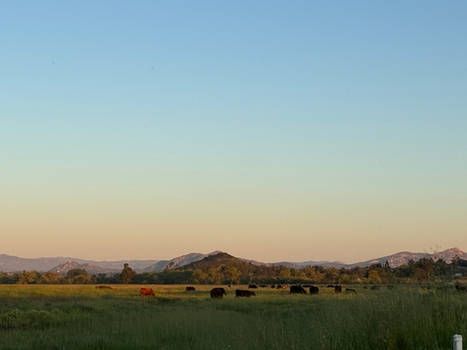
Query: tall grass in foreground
(82, 317)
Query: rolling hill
(9, 263)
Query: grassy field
(83, 317)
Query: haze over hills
(9, 263)
(178, 261)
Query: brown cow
(103, 287)
(217, 293)
(146, 291)
(337, 289)
(244, 293)
(190, 289)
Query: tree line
(423, 270)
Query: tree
(127, 274)
(51, 278)
(29, 277)
(78, 276)
(199, 276)
(232, 275)
(373, 277)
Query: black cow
(279, 286)
(254, 286)
(461, 288)
(190, 289)
(273, 286)
(337, 289)
(350, 290)
(330, 286)
(217, 293)
(297, 290)
(314, 290)
(244, 293)
(375, 287)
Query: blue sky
(285, 122)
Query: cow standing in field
(190, 289)
(254, 286)
(461, 288)
(217, 293)
(146, 291)
(314, 290)
(244, 293)
(337, 289)
(103, 287)
(297, 290)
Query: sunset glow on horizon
(271, 132)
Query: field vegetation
(86, 317)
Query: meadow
(84, 317)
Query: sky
(273, 130)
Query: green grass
(83, 317)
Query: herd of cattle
(219, 292)
(295, 289)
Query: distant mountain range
(9, 263)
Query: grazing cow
(244, 293)
(350, 290)
(461, 288)
(252, 286)
(146, 291)
(375, 287)
(217, 293)
(103, 287)
(314, 290)
(190, 289)
(297, 290)
(337, 289)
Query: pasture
(84, 317)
